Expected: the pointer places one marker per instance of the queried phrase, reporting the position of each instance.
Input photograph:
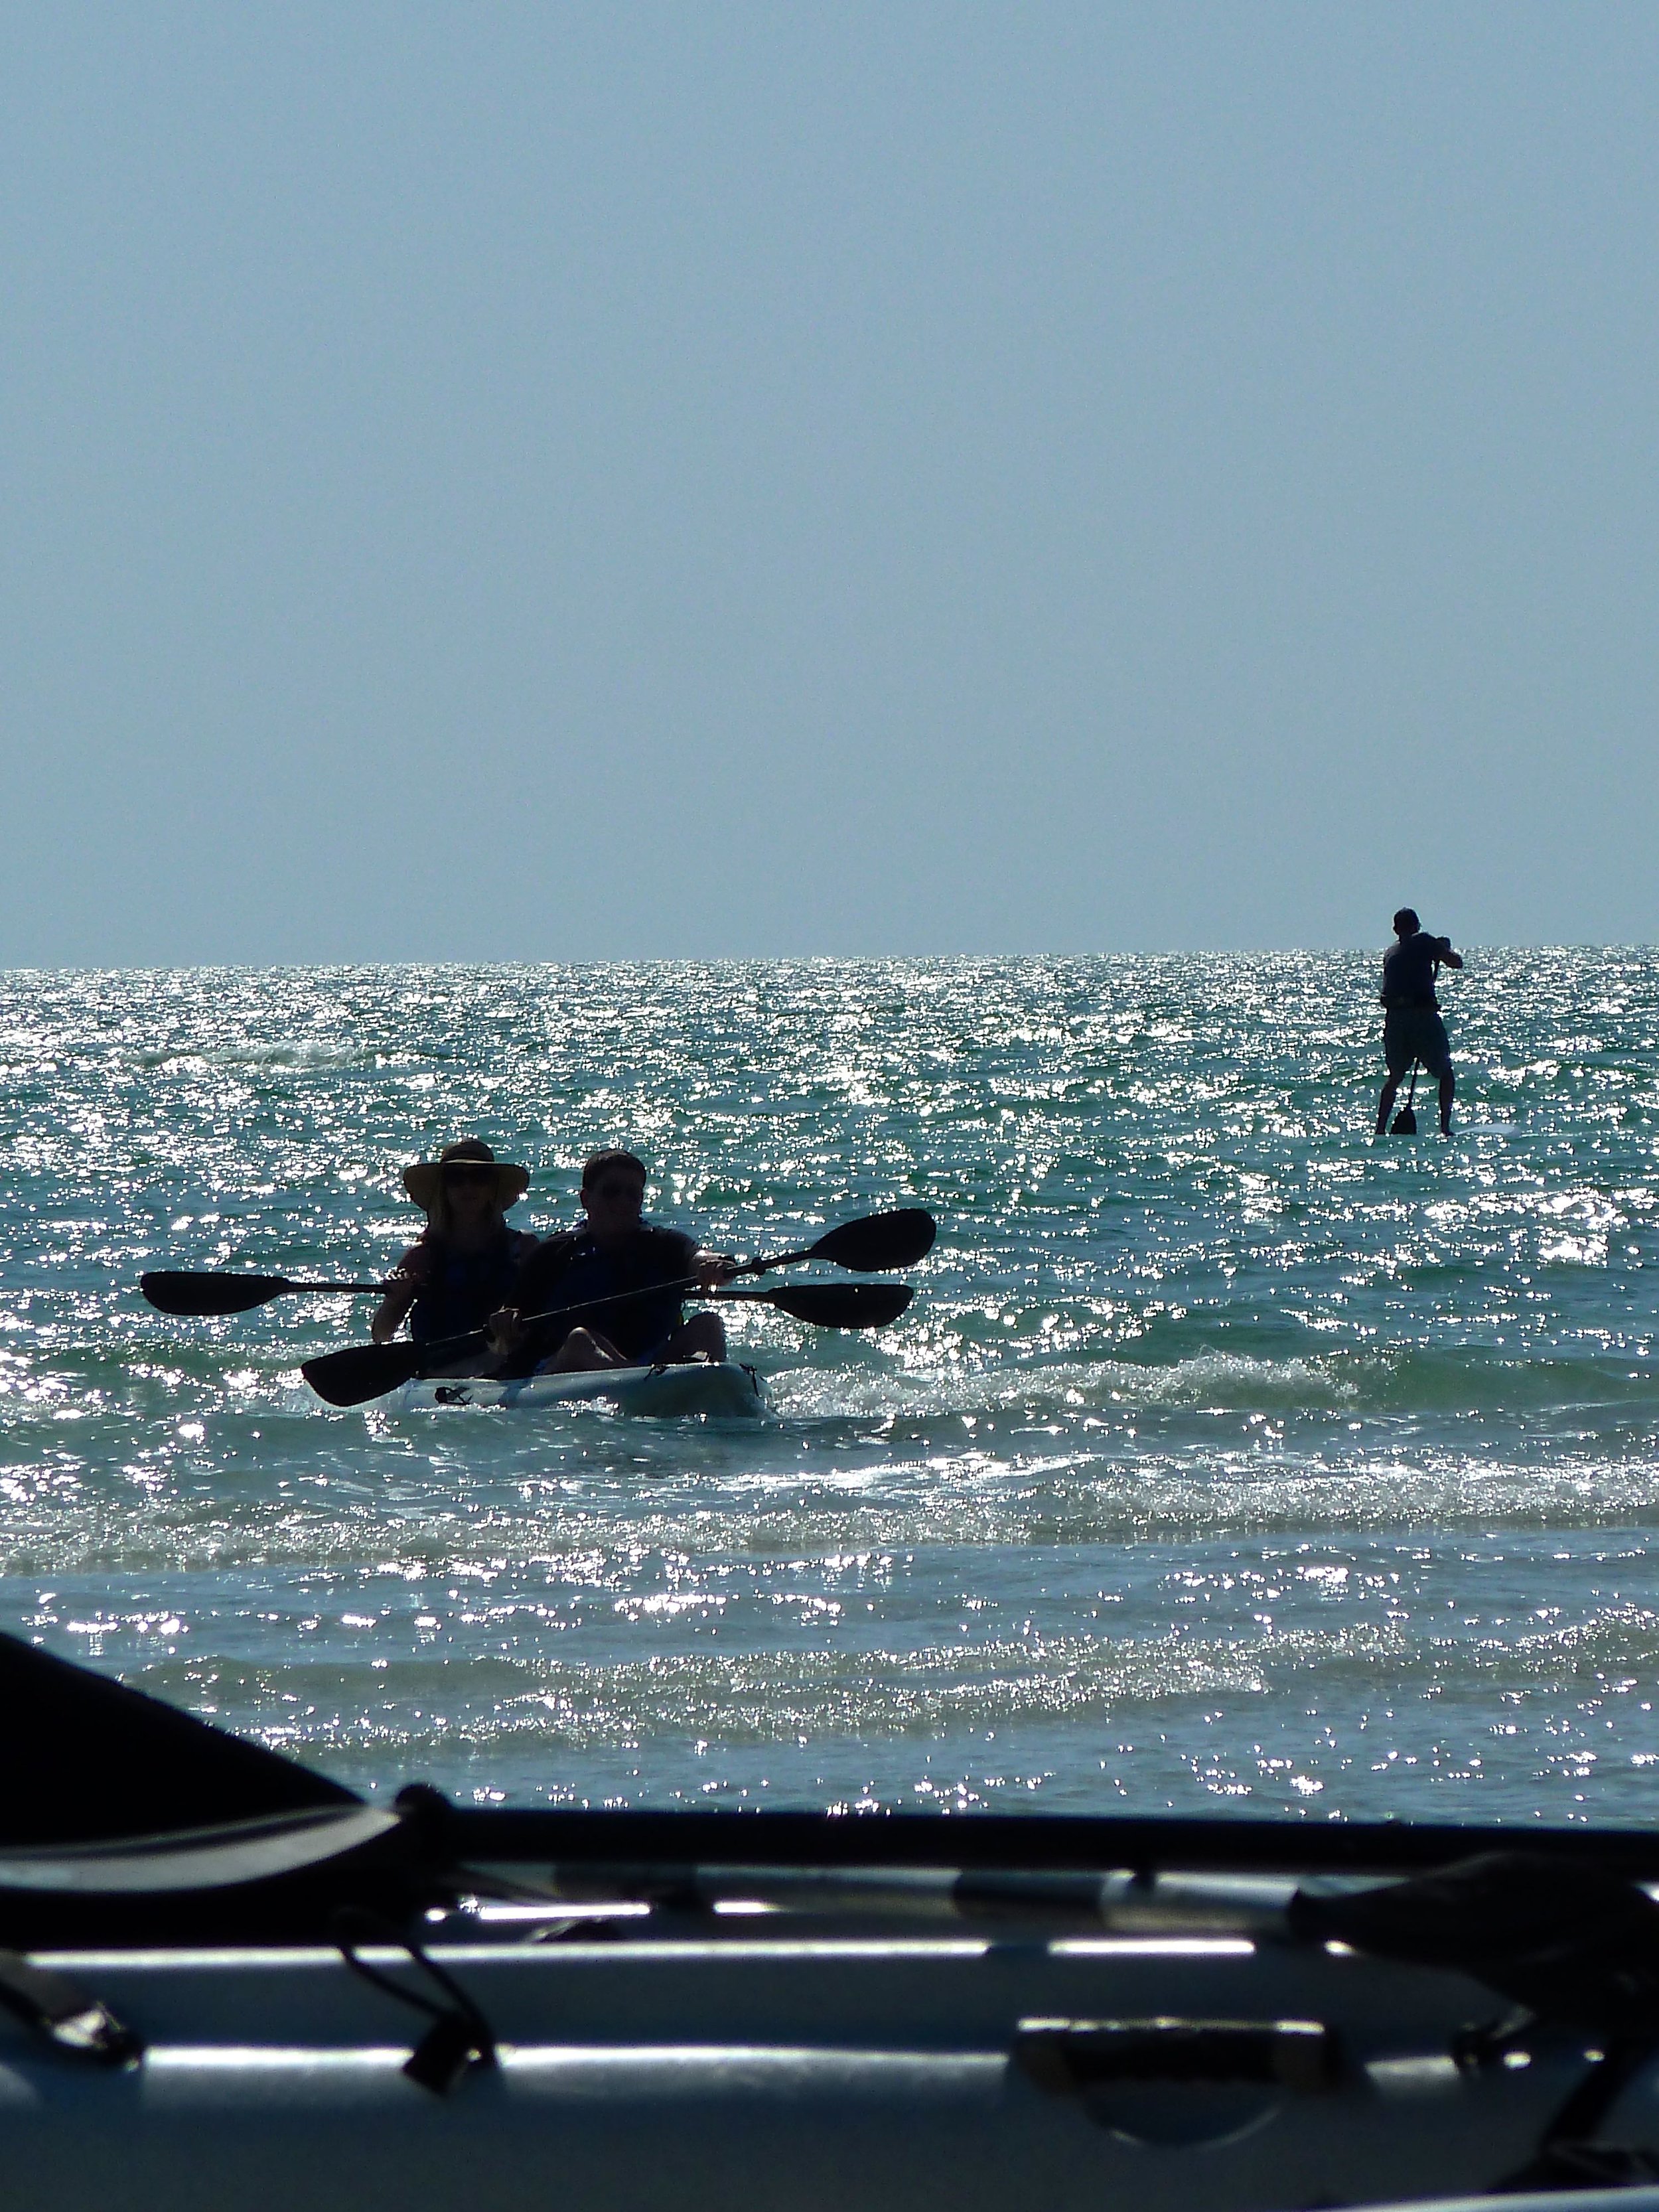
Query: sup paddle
(866, 1247)
(177, 1291)
(363, 1371)
(1404, 1123)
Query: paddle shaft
(873, 1244)
(457, 1347)
(447, 1348)
(870, 1245)
(782, 1260)
(210, 1293)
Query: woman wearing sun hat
(465, 1262)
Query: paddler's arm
(389, 1314)
(506, 1326)
(1446, 956)
(403, 1285)
(505, 1330)
(535, 1290)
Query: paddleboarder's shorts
(1411, 1033)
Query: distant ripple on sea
(1226, 1459)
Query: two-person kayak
(727, 1390)
(685, 1373)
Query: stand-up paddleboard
(726, 1392)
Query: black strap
(1569, 2156)
(459, 2038)
(80, 2026)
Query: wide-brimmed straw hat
(425, 1179)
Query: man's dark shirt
(570, 1269)
(1408, 971)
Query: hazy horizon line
(462, 965)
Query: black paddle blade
(841, 1305)
(174, 1292)
(362, 1371)
(1404, 1123)
(880, 1241)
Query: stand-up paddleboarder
(1412, 1027)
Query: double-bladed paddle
(866, 1247)
(363, 1371)
(176, 1292)
(869, 1246)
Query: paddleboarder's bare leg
(1448, 1090)
(1387, 1106)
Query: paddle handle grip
(778, 1259)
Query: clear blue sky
(564, 482)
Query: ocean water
(1228, 1461)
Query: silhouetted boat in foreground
(232, 1982)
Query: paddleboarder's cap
(424, 1180)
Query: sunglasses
(455, 1176)
(614, 1193)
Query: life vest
(571, 1269)
(465, 1288)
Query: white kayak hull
(726, 1392)
(791, 2076)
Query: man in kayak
(1412, 1027)
(611, 1250)
(465, 1262)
